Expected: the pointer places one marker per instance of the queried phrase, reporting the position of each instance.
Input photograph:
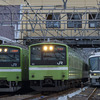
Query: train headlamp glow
(51, 48)
(0, 50)
(5, 50)
(45, 48)
(94, 74)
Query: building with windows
(75, 22)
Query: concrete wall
(8, 20)
(51, 2)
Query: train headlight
(95, 74)
(45, 48)
(0, 50)
(5, 50)
(51, 48)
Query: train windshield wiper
(11, 57)
(61, 55)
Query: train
(13, 67)
(94, 63)
(55, 67)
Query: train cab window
(95, 63)
(9, 57)
(36, 53)
(48, 55)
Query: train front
(10, 70)
(94, 62)
(48, 66)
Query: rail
(89, 97)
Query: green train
(55, 67)
(13, 67)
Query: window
(9, 57)
(45, 55)
(53, 20)
(74, 20)
(94, 63)
(94, 20)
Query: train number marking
(14, 64)
(60, 63)
(33, 64)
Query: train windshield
(95, 63)
(9, 57)
(48, 55)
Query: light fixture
(51, 48)
(5, 50)
(45, 48)
(0, 50)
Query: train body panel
(10, 74)
(25, 68)
(56, 73)
(12, 67)
(55, 66)
(75, 64)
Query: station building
(40, 19)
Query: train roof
(15, 44)
(49, 43)
(96, 54)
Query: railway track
(56, 95)
(87, 94)
(3, 96)
(51, 95)
(38, 96)
(20, 97)
(90, 96)
(33, 97)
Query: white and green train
(94, 62)
(55, 66)
(13, 67)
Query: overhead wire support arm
(30, 7)
(65, 2)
